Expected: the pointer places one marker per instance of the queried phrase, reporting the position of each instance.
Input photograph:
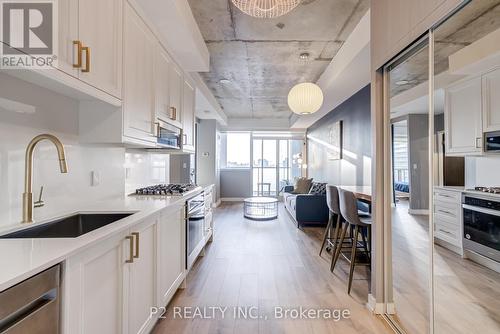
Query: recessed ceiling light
(224, 81)
(402, 82)
(405, 82)
(304, 56)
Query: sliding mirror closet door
(408, 124)
(467, 223)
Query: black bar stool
(332, 200)
(349, 210)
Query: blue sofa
(306, 208)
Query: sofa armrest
(287, 189)
(311, 208)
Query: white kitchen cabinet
(188, 118)
(463, 118)
(90, 42)
(491, 101)
(111, 287)
(175, 85)
(100, 32)
(448, 221)
(141, 278)
(67, 34)
(171, 253)
(93, 288)
(209, 216)
(138, 78)
(164, 111)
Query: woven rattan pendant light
(266, 9)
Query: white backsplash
(482, 171)
(120, 171)
(145, 169)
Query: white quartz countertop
(23, 258)
(457, 189)
(470, 192)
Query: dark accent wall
(355, 166)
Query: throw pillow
(318, 188)
(302, 186)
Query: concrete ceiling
(473, 22)
(254, 62)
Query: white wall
(58, 115)
(207, 145)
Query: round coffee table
(260, 208)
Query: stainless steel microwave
(168, 136)
(492, 142)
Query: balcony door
(276, 162)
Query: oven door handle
(482, 210)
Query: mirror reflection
(409, 114)
(466, 212)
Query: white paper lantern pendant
(305, 98)
(266, 9)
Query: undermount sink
(69, 227)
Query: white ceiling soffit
(258, 124)
(178, 30)
(348, 72)
(420, 105)
(415, 100)
(207, 106)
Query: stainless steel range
(195, 230)
(481, 214)
(172, 189)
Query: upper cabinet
(168, 78)
(100, 32)
(68, 44)
(188, 118)
(90, 42)
(175, 78)
(472, 108)
(463, 118)
(491, 101)
(138, 75)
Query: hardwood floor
(410, 269)
(467, 295)
(269, 264)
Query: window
(235, 150)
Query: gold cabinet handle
(136, 235)
(157, 130)
(173, 113)
(78, 54)
(131, 249)
(87, 59)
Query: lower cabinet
(139, 278)
(448, 224)
(171, 240)
(93, 288)
(111, 287)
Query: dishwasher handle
(32, 306)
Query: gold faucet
(28, 172)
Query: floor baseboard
(372, 305)
(232, 199)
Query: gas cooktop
(172, 189)
(490, 190)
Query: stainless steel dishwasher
(32, 306)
